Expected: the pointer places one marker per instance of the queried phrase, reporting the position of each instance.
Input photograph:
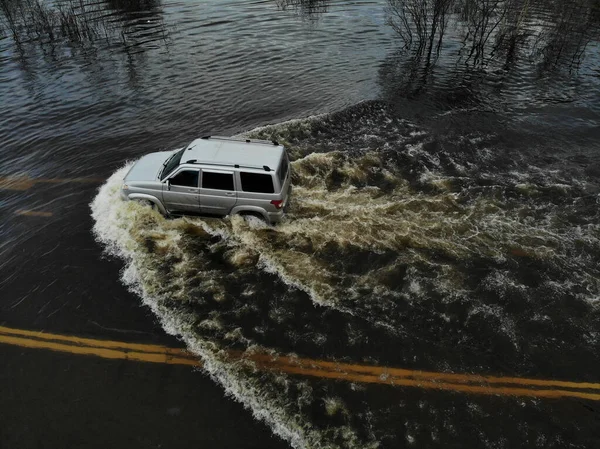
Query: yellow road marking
(68, 180)
(15, 183)
(464, 383)
(387, 372)
(100, 352)
(33, 213)
(109, 344)
(25, 182)
(429, 384)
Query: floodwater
(445, 206)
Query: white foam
(338, 207)
(115, 221)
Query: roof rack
(195, 161)
(240, 139)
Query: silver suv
(215, 176)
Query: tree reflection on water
(457, 52)
(467, 42)
(126, 23)
(308, 8)
(556, 32)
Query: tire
(145, 202)
(256, 215)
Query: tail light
(277, 203)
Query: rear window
(283, 169)
(218, 181)
(257, 182)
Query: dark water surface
(445, 214)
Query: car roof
(234, 151)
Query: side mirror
(168, 184)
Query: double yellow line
(102, 348)
(25, 182)
(463, 383)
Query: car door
(181, 192)
(217, 192)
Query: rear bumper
(275, 217)
(288, 198)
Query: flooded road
(445, 218)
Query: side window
(185, 178)
(218, 181)
(256, 182)
(283, 169)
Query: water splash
(388, 244)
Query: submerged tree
(565, 38)
(555, 31)
(419, 22)
(79, 22)
(308, 8)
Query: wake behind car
(214, 176)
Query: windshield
(171, 163)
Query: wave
(395, 239)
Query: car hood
(147, 168)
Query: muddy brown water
(445, 213)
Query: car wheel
(145, 202)
(250, 216)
